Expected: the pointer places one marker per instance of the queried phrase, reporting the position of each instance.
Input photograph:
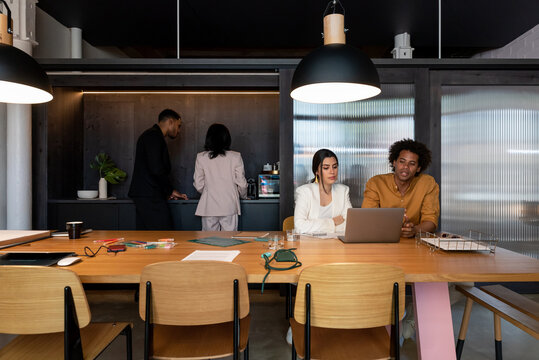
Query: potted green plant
(108, 172)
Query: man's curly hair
(416, 147)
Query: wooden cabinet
(120, 214)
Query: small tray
(475, 241)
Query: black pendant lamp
(22, 81)
(335, 72)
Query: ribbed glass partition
(360, 133)
(490, 163)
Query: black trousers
(153, 214)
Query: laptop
(33, 258)
(377, 225)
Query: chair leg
(395, 343)
(288, 301)
(72, 340)
(294, 353)
(147, 324)
(498, 337)
(236, 327)
(246, 352)
(129, 341)
(307, 322)
(464, 327)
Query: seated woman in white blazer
(220, 178)
(321, 206)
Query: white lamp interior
(14, 93)
(334, 92)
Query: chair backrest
(288, 223)
(32, 299)
(193, 292)
(350, 295)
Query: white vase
(102, 188)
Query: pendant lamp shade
(22, 81)
(335, 72)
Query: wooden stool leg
(464, 327)
(498, 337)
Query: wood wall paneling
(64, 144)
(108, 128)
(113, 123)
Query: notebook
(16, 237)
(379, 225)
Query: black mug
(74, 229)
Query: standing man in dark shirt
(150, 184)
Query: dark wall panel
(64, 144)
(113, 122)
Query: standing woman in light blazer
(220, 178)
(321, 206)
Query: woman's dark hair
(420, 149)
(318, 159)
(217, 140)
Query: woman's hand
(338, 220)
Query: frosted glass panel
(490, 162)
(360, 133)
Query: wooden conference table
(428, 272)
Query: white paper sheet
(222, 255)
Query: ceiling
(279, 28)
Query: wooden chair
(288, 223)
(47, 308)
(504, 303)
(195, 310)
(341, 311)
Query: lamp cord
(334, 4)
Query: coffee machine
(251, 189)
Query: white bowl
(86, 194)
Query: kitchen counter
(119, 214)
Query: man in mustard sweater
(406, 187)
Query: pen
(132, 245)
(108, 240)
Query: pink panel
(434, 325)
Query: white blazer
(221, 181)
(308, 207)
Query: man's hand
(338, 220)
(408, 230)
(176, 195)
